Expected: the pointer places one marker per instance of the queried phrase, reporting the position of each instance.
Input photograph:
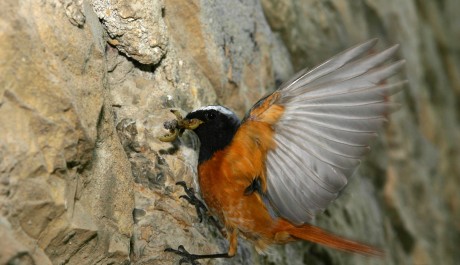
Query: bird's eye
(210, 116)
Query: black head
(217, 130)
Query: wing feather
(356, 68)
(331, 113)
(309, 165)
(274, 167)
(354, 95)
(304, 77)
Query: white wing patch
(331, 114)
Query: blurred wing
(330, 115)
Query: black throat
(213, 141)
(217, 130)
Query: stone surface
(66, 190)
(136, 28)
(85, 87)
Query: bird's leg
(193, 200)
(200, 207)
(192, 258)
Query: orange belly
(224, 196)
(224, 178)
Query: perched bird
(267, 176)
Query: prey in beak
(177, 127)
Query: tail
(317, 235)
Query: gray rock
(85, 87)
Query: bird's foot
(193, 200)
(186, 257)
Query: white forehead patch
(218, 108)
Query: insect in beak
(177, 127)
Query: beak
(177, 127)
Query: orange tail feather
(317, 235)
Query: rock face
(85, 87)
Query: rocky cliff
(85, 86)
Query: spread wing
(331, 113)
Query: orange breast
(230, 171)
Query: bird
(267, 176)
